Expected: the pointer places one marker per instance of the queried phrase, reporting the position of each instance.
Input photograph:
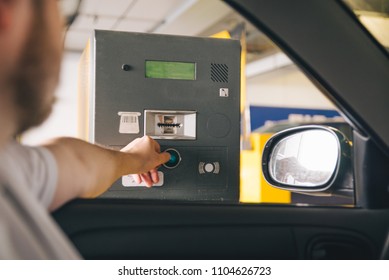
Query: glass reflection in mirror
(305, 159)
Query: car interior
(208, 207)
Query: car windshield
(374, 15)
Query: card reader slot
(177, 125)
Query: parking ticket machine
(182, 91)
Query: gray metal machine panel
(214, 96)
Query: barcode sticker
(129, 119)
(129, 122)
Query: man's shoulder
(29, 168)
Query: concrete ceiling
(183, 17)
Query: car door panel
(127, 229)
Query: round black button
(126, 67)
(174, 160)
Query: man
(35, 178)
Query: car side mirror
(309, 159)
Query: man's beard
(36, 76)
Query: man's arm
(86, 170)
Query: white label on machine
(128, 181)
(129, 122)
(223, 92)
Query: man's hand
(149, 157)
(86, 170)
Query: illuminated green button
(174, 160)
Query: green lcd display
(170, 70)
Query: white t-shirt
(28, 178)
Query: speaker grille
(219, 73)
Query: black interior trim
(127, 229)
